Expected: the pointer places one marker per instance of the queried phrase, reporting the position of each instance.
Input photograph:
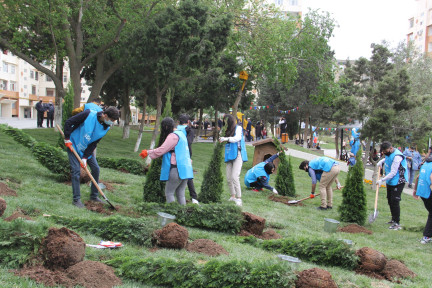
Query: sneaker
(426, 240)
(329, 207)
(232, 199)
(321, 208)
(238, 202)
(96, 200)
(257, 190)
(395, 226)
(409, 186)
(78, 203)
(391, 222)
(194, 201)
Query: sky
(363, 22)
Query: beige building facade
(420, 27)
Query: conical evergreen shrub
(285, 177)
(212, 186)
(154, 189)
(353, 207)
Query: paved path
(21, 123)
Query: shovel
(297, 201)
(87, 171)
(375, 214)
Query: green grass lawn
(37, 189)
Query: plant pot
(293, 261)
(330, 225)
(165, 218)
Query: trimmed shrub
(212, 185)
(220, 217)
(285, 177)
(53, 158)
(169, 272)
(353, 208)
(19, 136)
(123, 164)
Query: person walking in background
(413, 162)
(264, 132)
(282, 126)
(258, 131)
(235, 155)
(50, 115)
(355, 141)
(351, 160)
(396, 170)
(176, 163)
(40, 108)
(422, 189)
(325, 170)
(248, 130)
(84, 131)
(258, 176)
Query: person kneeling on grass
(258, 176)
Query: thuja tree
(284, 178)
(154, 189)
(212, 186)
(353, 207)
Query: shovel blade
(373, 216)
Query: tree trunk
(126, 113)
(237, 101)
(216, 131)
(366, 157)
(337, 143)
(141, 128)
(156, 126)
(200, 126)
(306, 132)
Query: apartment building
(288, 7)
(22, 86)
(420, 27)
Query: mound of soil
(206, 246)
(266, 235)
(62, 248)
(171, 236)
(6, 191)
(354, 228)
(45, 276)
(395, 269)
(3, 206)
(99, 207)
(284, 199)
(315, 278)
(254, 224)
(371, 260)
(93, 274)
(17, 214)
(84, 178)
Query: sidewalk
(21, 123)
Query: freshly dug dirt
(254, 224)
(62, 248)
(171, 236)
(3, 206)
(6, 191)
(270, 234)
(371, 260)
(17, 214)
(284, 199)
(99, 207)
(206, 246)
(395, 270)
(44, 276)
(354, 228)
(92, 274)
(315, 278)
(84, 178)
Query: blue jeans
(75, 175)
(411, 176)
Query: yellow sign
(243, 75)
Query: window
(12, 69)
(49, 92)
(36, 75)
(65, 78)
(3, 84)
(31, 74)
(411, 37)
(5, 67)
(12, 86)
(411, 23)
(294, 2)
(48, 78)
(33, 90)
(279, 2)
(25, 86)
(429, 31)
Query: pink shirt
(168, 145)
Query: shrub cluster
(123, 164)
(220, 217)
(285, 177)
(168, 272)
(212, 185)
(115, 228)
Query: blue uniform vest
(184, 164)
(93, 107)
(89, 131)
(424, 182)
(255, 172)
(322, 163)
(388, 162)
(231, 150)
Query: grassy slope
(37, 189)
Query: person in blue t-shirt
(413, 161)
(351, 160)
(258, 177)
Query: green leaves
(212, 186)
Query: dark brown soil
(371, 260)
(315, 278)
(3, 206)
(6, 191)
(109, 185)
(171, 236)
(354, 228)
(17, 214)
(266, 235)
(284, 199)
(370, 274)
(395, 270)
(206, 246)
(44, 276)
(254, 224)
(93, 274)
(62, 248)
(84, 178)
(101, 208)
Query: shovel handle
(86, 169)
(377, 190)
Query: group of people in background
(41, 108)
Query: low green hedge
(220, 217)
(18, 135)
(53, 158)
(123, 164)
(168, 272)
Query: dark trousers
(75, 175)
(40, 116)
(256, 185)
(191, 188)
(393, 198)
(428, 228)
(50, 119)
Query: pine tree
(154, 189)
(353, 207)
(212, 186)
(284, 178)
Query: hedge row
(220, 217)
(123, 164)
(168, 272)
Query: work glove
(84, 163)
(143, 154)
(223, 139)
(275, 191)
(380, 182)
(68, 144)
(312, 195)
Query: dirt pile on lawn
(266, 235)
(6, 191)
(62, 248)
(84, 178)
(99, 207)
(171, 236)
(395, 270)
(371, 259)
(17, 214)
(206, 246)
(354, 228)
(3, 206)
(315, 278)
(253, 224)
(284, 199)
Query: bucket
(165, 218)
(347, 241)
(291, 260)
(284, 137)
(330, 225)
